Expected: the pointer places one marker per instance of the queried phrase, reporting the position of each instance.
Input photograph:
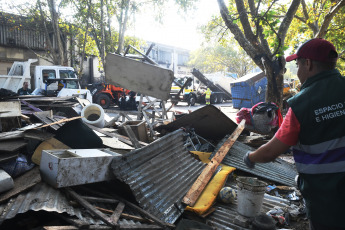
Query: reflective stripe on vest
(326, 157)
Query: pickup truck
(45, 81)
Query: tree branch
(259, 29)
(284, 26)
(239, 36)
(245, 23)
(328, 18)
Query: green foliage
(217, 57)
(301, 27)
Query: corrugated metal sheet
(208, 122)
(19, 31)
(279, 171)
(224, 215)
(160, 175)
(45, 197)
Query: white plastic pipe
(93, 114)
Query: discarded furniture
(62, 168)
(138, 127)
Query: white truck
(45, 81)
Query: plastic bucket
(93, 114)
(250, 195)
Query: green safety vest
(320, 153)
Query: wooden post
(203, 179)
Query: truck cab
(58, 81)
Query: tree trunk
(102, 48)
(123, 24)
(56, 28)
(275, 81)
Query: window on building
(164, 57)
(182, 59)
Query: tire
(191, 100)
(214, 99)
(103, 100)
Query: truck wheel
(214, 99)
(103, 100)
(191, 100)
(220, 98)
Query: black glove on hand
(246, 160)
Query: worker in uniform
(132, 104)
(315, 126)
(25, 90)
(208, 96)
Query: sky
(176, 30)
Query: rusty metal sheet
(140, 77)
(160, 175)
(208, 122)
(279, 170)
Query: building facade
(170, 57)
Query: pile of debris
(59, 172)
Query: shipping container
(248, 90)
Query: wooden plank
(132, 206)
(60, 121)
(203, 179)
(127, 216)
(89, 207)
(98, 227)
(100, 200)
(117, 213)
(12, 145)
(37, 134)
(144, 213)
(22, 183)
(10, 109)
(132, 136)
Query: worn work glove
(246, 160)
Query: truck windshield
(67, 74)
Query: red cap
(317, 49)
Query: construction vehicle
(191, 89)
(45, 81)
(107, 94)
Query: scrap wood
(60, 121)
(132, 206)
(12, 145)
(144, 213)
(118, 136)
(25, 118)
(127, 216)
(114, 201)
(203, 179)
(22, 183)
(37, 134)
(96, 227)
(11, 135)
(132, 136)
(90, 207)
(117, 212)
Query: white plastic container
(250, 195)
(93, 114)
